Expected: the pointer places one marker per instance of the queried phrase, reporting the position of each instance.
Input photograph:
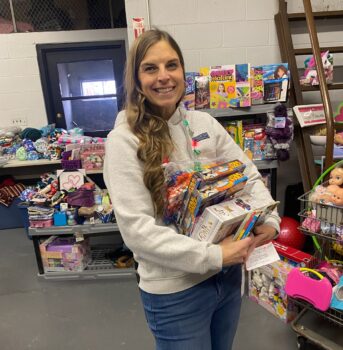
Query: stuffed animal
(280, 131)
(311, 74)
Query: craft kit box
(220, 220)
(64, 254)
(267, 288)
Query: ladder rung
(308, 51)
(334, 86)
(321, 14)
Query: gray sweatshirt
(169, 262)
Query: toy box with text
(235, 216)
(267, 288)
(64, 254)
(292, 255)
(190, 189)
(202, 196)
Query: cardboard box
(64, 254)
(220, 220)
(267, 288)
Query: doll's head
(337, 198)
(336, 177)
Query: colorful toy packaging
(236, 216)
(189, 99)
(189, 192)
(222, 85)
(202, 92)
(64, 254)
(275, 82)
(267, 288)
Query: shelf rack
(99, 267)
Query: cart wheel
(302, 342)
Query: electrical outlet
(20, 121)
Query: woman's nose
(163, 74)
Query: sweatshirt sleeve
(227, 148)
(133, 208)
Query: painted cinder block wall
(210, 32)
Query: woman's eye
(172, 65)
(149, 69)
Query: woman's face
(161, 76)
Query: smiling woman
(162, 78)
(190, 289)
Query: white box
(220, 220)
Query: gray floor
(103, 314)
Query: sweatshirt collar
(177, 117)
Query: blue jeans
(203, 317)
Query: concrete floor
(91, 315)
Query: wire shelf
(334, 316)
(322, 220)
(100, 261)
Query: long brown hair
(155, 143)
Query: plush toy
(280, 131)
(311, 74)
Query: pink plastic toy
(316, 292)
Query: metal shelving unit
(99, 267)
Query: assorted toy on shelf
(310, 76)
(280, 130)
(236, 85)
(66, 200)
(264, 141)
(45, 143)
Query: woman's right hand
(235, 252)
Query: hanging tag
(279, 122)
(79, 236)
(138, 26)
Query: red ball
(289, 233)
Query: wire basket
(322, 220)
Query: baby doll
(324, 194)
(337, 198)
(336, 177)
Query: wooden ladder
(283, 21)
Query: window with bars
(52, 15)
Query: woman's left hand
(262, 234)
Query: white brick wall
(209, 32)
(212, 32)
(20, 88)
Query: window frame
(44, 50)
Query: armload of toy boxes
(201, 203)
